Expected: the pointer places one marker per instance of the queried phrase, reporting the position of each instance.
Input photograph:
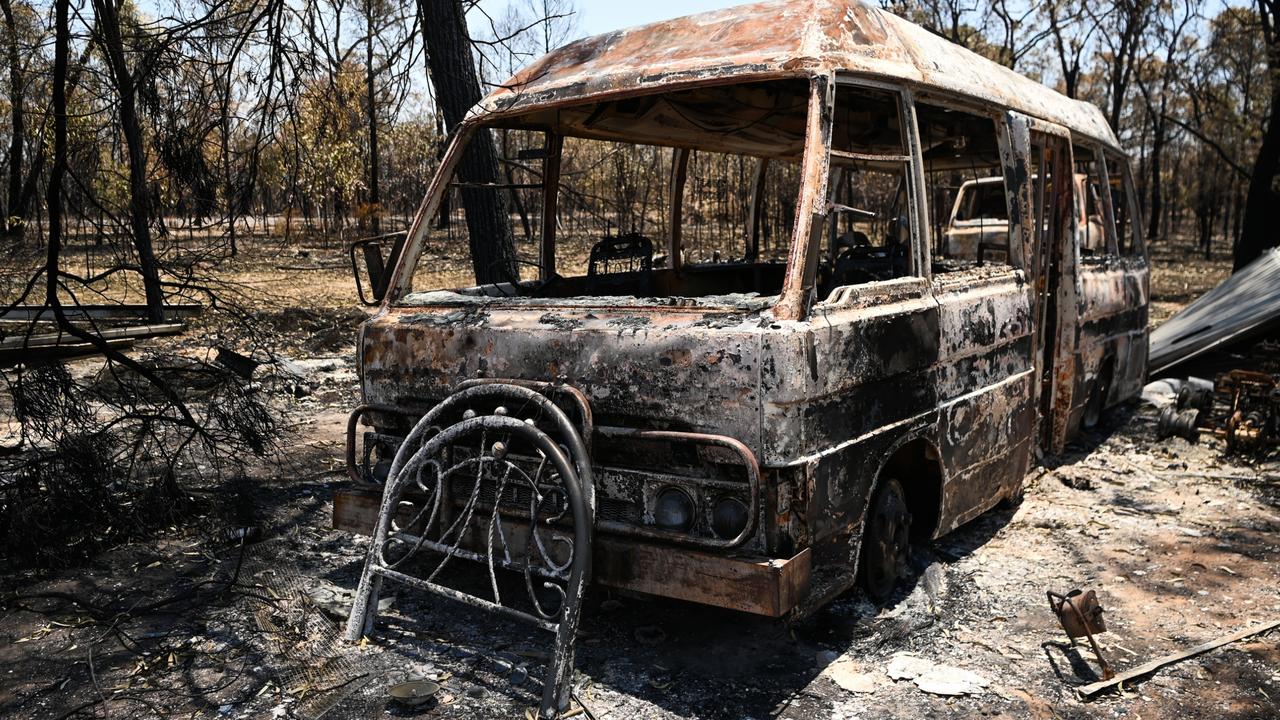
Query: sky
(598, 16)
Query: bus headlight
(674, 510)
(728, 517)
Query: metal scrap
(1243, 306)
(1080, 615)
(1241, 406)
(55, 346)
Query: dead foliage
(111, 455)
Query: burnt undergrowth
(112, 452)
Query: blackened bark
(228, 180)
(1157, 147)
(139, 205)
(34, 172)
(1068, 59)
(375, 196)
(15, 205)
(62, 39)
(453, 73)
(509, 175)
(1262, 204)
(1135, 14)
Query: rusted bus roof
(779, 38)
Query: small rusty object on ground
(242, 365)
(1183, 423)
(1080, 614)
(1253, 423)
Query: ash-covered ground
(1179, 541)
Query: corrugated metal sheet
(1244, 305)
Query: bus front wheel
(886, 541)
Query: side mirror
(377, 269)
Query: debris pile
(1241, 406)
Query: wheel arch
(916, 464)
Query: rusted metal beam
(803, 260)
(869, 157)
(755, 209)
(417, 232)
(1108, 212)
(679, 174)
(51, 347)
(1148, 668)
(921, 254)
(63, 339)
(550, 204)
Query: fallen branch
(1154, 665)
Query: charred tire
(1097, 399)
(885, 541)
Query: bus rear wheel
(886, 541)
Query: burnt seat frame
(572, 503)
(569, 453)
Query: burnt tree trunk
(15, 204)
(375, 196)
(1261, 214)
(453, 72)
(1157, 148)
(509, 175)
(36, 168)
(1262, 203)
(62, 40)
(139, 205)
(228, 180)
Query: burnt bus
(677, 315)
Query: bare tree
(1123, 26)
(1072, 30)
(1171, 27)
(1018, 36)
(125, 83)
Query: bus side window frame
(1083, 149)
(1137, 246)
(1007, 149)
